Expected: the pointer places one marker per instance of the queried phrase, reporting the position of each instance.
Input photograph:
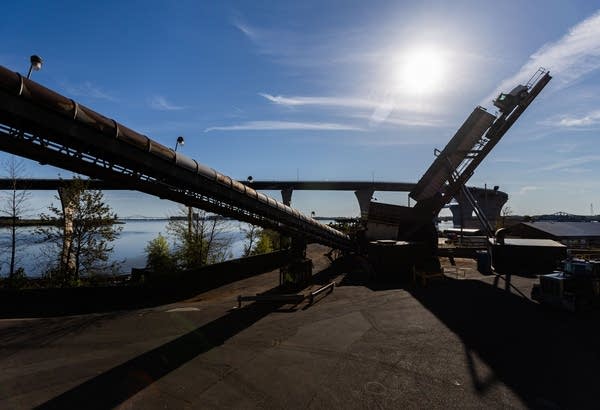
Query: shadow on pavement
(360, 278)
(116, 385)
(549, 358)
(43, 333)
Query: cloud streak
(527, 189)
(297, 49)
(284, 125)
(349, 102)
(346, 102)
(400, 121)
(381, 111)
(507, 160)
(573, 56)
(592, 118)
(572, 162)
(161, 104)
(246, 30)
(87, 89)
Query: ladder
(485, 224)
(454, 179)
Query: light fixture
(36, 64)
(180, 141)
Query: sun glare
(421, 71)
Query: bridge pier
(297, 273)
(490, 201)
(298, 248)
(286, 196)
(364, 197)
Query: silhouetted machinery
(575, 288)
(413, 227)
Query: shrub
(158, 255)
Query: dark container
(395, 260)
(484, 262)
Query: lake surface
(34, 256)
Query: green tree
(81, 230)
(268, 241)
(264, 244)
(199, 238)
(251, 235)
(158, 255)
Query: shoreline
(7, 223)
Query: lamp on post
(180, 141)
(190, 216)
(36, 64)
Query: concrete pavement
(457, 343)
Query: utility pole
(181, 141)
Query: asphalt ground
(462, 341)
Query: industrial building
(575, 235)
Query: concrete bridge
(490, 200)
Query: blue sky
(334, 90)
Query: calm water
(128, 249)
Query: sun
(421, 70)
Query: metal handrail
(311, 297)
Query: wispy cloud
(247, 30)
(589, 119)
(321, 101)
(88, 89)
(565, 147)
(284, 125)
(571, 163)
(395, 141)
(282, 46)
(388, 103)
(380, 110)
(508, 160)
(527, 189)
(576, 54)
(576, 170)
(362, 61)
(295, 48)
(160, 103)
(398, 120)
